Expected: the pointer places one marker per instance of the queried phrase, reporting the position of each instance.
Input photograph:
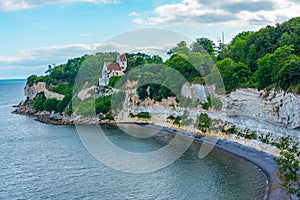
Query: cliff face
(273, 111)
(194, 91)
(274, 106)
(32, 91)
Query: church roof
(113, 66)
(123, 58)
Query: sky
(36, 33)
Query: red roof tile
(123, 58)
(113, 66)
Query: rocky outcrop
(32, 91)
(86, 93)
(65, 120)
(273, 111)
(23, 109)
(274, 106)
(194, 91)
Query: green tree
(139, 61)
(61, 105)
(228, 70)
(204, 44)
(264, 77)
(270, 65)
(252, 57)
(289, 75)
(180, 63)
(238, 45)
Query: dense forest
(268, 58)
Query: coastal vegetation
(287, 164)
(141, 115)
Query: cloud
(132, 14)
(13, 5)
(138, 21)
(44, 56)
(56, 54)
(217, 12)
(248, 6)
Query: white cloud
(216, 12)
(56, 54)
(44, 56)
(13, 5)
(138, 21)
(133, 14)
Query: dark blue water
(39, 161)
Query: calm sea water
(39, 161)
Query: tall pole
(223, 38)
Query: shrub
(217, 103)
(63, 89)
(145, 115)
(171, 117)
(212, 102)
(288, 165)
(177, 120)
(103, 104)
(203, 122)
(232, 130)
(267, 139)
(63, 103)
(207, 104)
(38, 102)
(50, 105)
(251, 136)
(131, 115)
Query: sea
(41, 161)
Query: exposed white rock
(32, 91)
(265, 106)
(194, 91)
(272, 111)
(86, 93)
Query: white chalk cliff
(32, 91)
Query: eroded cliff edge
(266, 111)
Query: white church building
(111, 69)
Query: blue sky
(35, 33)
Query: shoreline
(262, 160)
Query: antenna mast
(223, 38)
